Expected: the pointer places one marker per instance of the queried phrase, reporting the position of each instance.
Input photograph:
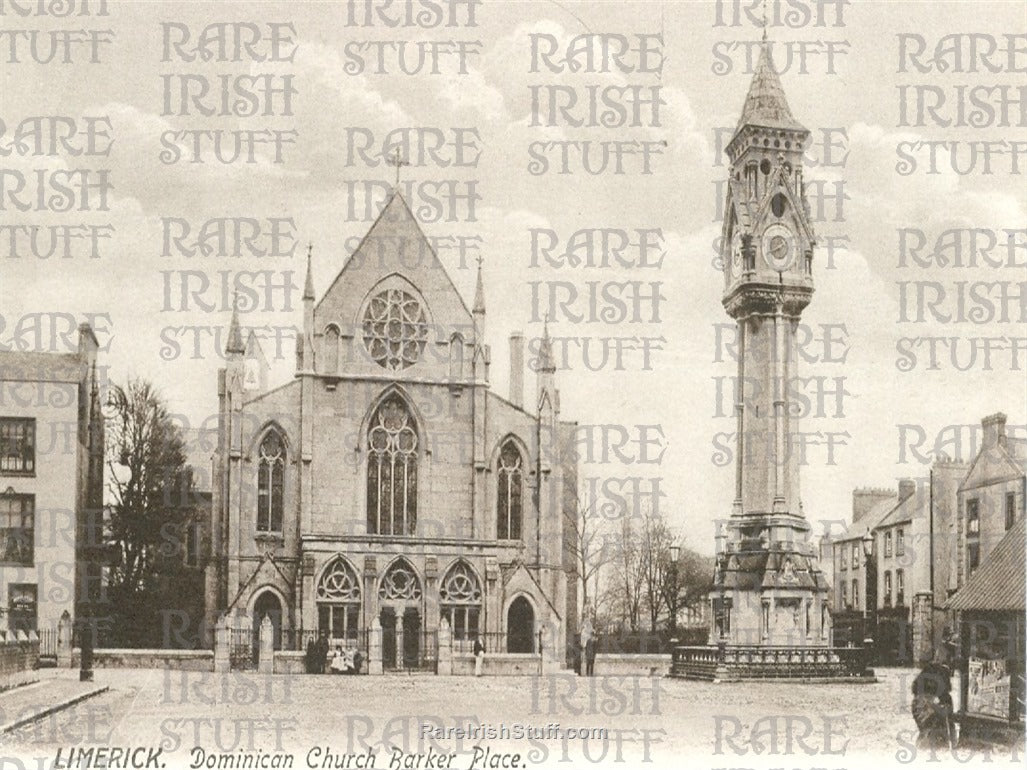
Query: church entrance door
(520, 626)
(267, 604)
(402, 638)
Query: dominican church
(387, 481)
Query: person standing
(932, 706)
(590, 656)
(479, 656)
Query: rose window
(395, 329)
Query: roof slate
(765, 104)
(41, 367)
(998, 584)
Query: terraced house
(51, 484)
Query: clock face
(778, 247)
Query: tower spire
(766, 104)
(235, 343)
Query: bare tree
(656, 539)
(583, 547)
(627, 584)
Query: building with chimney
(51, 486)
(768, 587)
(894, 566)
(991, 497)
(991, 595)
(387, 482)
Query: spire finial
(398, 162)
(546, 348)
(479, 289)
(308, 286)
(765, 24)
(235, 344)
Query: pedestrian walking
(479, 656)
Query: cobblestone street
(650, 721)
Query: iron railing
(767, 662)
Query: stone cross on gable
(396, 160)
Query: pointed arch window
(392, 452)
(460, 599)
(338, 601)
(331, 342)
(271, 483)
(509, 497)
(456, 358)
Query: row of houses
(935, 570)
(909, 550)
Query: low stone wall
(180, 660)
(290, 662)
(498, 664)
(632, 665)
(19, 660)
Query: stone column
(222, 645)
(445, 648)
(374, 647)
(266, 663)
(64, 641)
(922, 621)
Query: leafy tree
(149, 484)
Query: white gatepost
(374, 648)
(222, 646)
(445, 648)
(64, 640)
(266, 662)
(549, 662)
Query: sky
(849, 90)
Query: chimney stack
(865, 499)
(906, 489)
(517, 369)
(994, 431)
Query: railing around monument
(766, 662)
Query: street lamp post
(869, 594)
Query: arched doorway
(520, 626)
(267, 604)
(400, 598)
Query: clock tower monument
(768, 587)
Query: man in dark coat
(932, 706)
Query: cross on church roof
(398, 162)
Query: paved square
(328, 721)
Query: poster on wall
(988, 688)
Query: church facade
(387, 483)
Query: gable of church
(393, 305)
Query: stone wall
(632, 665)
(180, 660)
(498, 664)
